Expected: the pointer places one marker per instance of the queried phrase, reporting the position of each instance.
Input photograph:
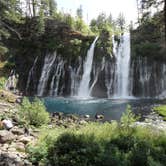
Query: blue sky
(92, 8)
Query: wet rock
(87, 116)
(99, 116)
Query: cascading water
(83, 90)
(30, 75)
(113, 76)
(122, 55)
(54, 87)
(48, 63)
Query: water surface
(112, 109)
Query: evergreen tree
(121, 22)
(9, 11)
(52, 7)
(79, 12)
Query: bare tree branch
(11, 29)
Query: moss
(161, 110)
(7, 96)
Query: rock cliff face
(62, 78)
(52, 65)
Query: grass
(161, 110)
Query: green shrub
(161, 110)
(33, 113)
(2, 82)
(101, 144)
(127, 119)
(74, 150)
(113, 156)
(37, 154)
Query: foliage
(37, 153)
(2, 82)
(149, 38)
(33, 113)
(161, 110)
(74, 150)
(7, 96)
(104, 144)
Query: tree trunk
(33, 6)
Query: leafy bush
(127, 119)
(74, 150)
(106, 144)
(2, 82)
(38, 153)
(33, 113)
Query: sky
(91, 8)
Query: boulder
(25, 139)
(6, 136)
(17, 131)
(20, 146)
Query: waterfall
(83, 90)
(56, 78)
(122, 54)
(75, 77)
(48, 63)
(30, 75)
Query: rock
(18, 100)
(87, 116)
(17, 131)
(4, 147)
(6, 136)
(10, 159)
(57, 114)
(82, 122)
(20, 146)
(73, 117)
(25, 139)
(99, 116)
(8, 96)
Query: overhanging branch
(11, 29)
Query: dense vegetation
(161, 110)
(33, 113)
(148, 39)
(99, 144)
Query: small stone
(87, 116)
(18, 100)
